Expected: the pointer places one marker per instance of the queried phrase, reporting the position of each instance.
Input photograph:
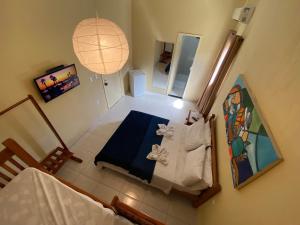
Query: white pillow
(194, 166)
(194, 136)
(207, 173)
(207, 134)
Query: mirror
(162, 64)
(185, 55)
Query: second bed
(127, 149)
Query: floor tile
(67, 174)
(173, 221)
(157, 199)
(113, 179)
(93, 172)
(85, 183)
(104, 192)
(130, 201)
(134, 189)
(154, 213)
(182, 209)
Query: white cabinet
(137, 79)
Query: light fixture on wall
(100, 45)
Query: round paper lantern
(100, 45)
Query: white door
(112, 88)
(182, 62)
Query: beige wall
(270, 61)
(36, 35)
(163, 20)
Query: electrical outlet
(98, 102)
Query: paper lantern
(100, 45)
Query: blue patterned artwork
(251, 148)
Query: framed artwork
(251, 146)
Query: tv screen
(54, 84)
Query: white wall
(153, 20)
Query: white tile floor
(172, 209)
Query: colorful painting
(54, 84)
(251, 147)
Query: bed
(126, 151)
(31, 195)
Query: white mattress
(36, 198)
(167, 177)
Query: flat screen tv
(57, 81)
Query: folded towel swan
(159, 154)
(164, 130)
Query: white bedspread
(170, 176)
(36, 198)
(164, 176)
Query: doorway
(186, 48)
(112, 88)
(162, 63)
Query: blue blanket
(131, 143)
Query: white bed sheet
(166, 177)
(36, 198)
(203, 183)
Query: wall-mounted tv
(57, 81)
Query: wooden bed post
(58, 156)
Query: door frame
(105, 92)
(175, 60)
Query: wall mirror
(173, 65)
(162, 63)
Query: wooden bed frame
(14, 154)
(206, 194)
